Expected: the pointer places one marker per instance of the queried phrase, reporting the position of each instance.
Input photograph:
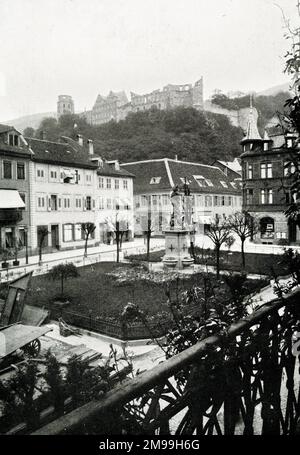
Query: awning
(11, 199)
(67, 174)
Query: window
(266, 196)
(40, 173)
(88, 203)
(209, 182)
(144, 200)
(66, 202)
(68, 232)
(208, 201)
(41, 202)
(16, 140)
(109, 204)
(222, 200)
(216, 201)
(249, 171)
(117, 184)
(200, 180)
(7, 170)
(154, 199)
(101, 182)
(77, 232)
(21, 171)
(11, 139)
(224, 184)
(125, 184)
(78, 202)
(249, 196)
(266, 170)
(153, 181)
(53, 202)
(53, 175)
(108, 184)
(101, 203)
(88, 179)
(165, 199)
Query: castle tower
(65, 105)
(197, 94)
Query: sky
(85, 47)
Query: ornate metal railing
(243, 381)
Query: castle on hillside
(116, 106)
(65, 105)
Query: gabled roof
(173, 172)
(59, 153)
(5, 128)
(234, 165)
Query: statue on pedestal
(176, 201)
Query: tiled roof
(106, 169)
(5, 128)
(173, 172)
(59, 153)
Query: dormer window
(209, 182)
(13, 140)
(233, 184)
(155, 180)
(68, 176)
(200, 180)
(224, 184)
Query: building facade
(266, 192)
(213, 192)
(65, 193)
(116, 105)
(15, 159)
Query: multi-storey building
(106, 108)
(116, 106)
(15, 158)
(213, 192)
(65, 192)
(266, 192)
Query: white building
(213, 192)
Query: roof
(252, 133)
(5, 128)
(10, 199)
(64, 153)
(173, 172)
(234, 165)
(106, 169)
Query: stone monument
(177, 238)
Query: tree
(29, 132)
(118, 227)
(244, 226)
(219, 232)
(42, 235)
(62, 272)
(88, 229)
(55, 381)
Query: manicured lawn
(260, 264)
(97, 294)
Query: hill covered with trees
(185, 132)
(267, 106)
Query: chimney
(91, 147)
(80, 139)
(176, 157)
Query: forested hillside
(185, 132)
(266, 106)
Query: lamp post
(26, 244)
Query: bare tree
(88, 229)
(245, 226)
(219, 232)
(42, 234)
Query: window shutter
(84, 203)
(49, 204)
(94, 204)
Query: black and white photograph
(149, 221)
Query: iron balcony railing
(244, 381)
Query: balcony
(10, 216)
(243, 381)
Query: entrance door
(292, 231)
(54, 236)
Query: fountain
(178, 237)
